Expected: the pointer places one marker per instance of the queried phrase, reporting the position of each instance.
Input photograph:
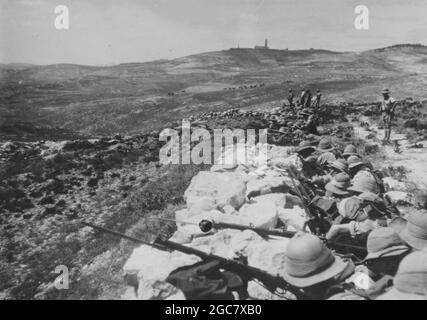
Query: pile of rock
(221, 195)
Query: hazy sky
(107, 31)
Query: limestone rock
(399, 198)
(217, 243)
(268, 255)
(294, 218)
(211, 190)
(393, 184)
(261, 213)
(244, 240)
(281, 162)
(269, 181)
(152, 267)
(279, 199)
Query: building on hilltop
(263, 47)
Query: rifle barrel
(272, 282)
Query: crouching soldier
(385, 252)
(358, 217)
(334, 168)
(307, 157)
(336, 191)
(410, 282)
(312, 267)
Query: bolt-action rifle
(208, 225)
(271, 282)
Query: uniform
(387, 113)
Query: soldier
(359, 216)
(303, 97)
(308, 99)
(335, 168)
(387, 113)
(385, 252)
(305, 154)
(291, 97)
(281, 138)
(318, 97)
(410, 281)
(336, 190)
(415, 232)
(325, 145)
(311, 266)
(350, 150)
(311, 125)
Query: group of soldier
(306, 98)
(350, 194)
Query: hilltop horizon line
(25, 64)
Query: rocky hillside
(221, 195)
(49, 187)
(135, 97)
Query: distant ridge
(18, 65)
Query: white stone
(261, 213)
(279, 199)
(399, 197)
(293, 218)
(217, 243)
(152, 267)
(269, 182)
(245, 239)
(283, 162)
(394, 185)
(268, 255)
(212, 190)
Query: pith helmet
(354, 161)
(415, 233)
(364, 183)
(350, 150)
(340, 165)
(325, 145)
(305, 145)
(308, 261)
(339, 184)
(384, 242)
(410, 282)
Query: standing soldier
(309, 96)
(303, 97)
(318, 97)
(387, 114)
(291, 97)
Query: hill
(135, 97)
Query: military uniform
(387, 113)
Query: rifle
(271, 282)
(317, 224)
(208, 225)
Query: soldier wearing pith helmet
(388, 107)
(311, 266)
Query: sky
(106, 32)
